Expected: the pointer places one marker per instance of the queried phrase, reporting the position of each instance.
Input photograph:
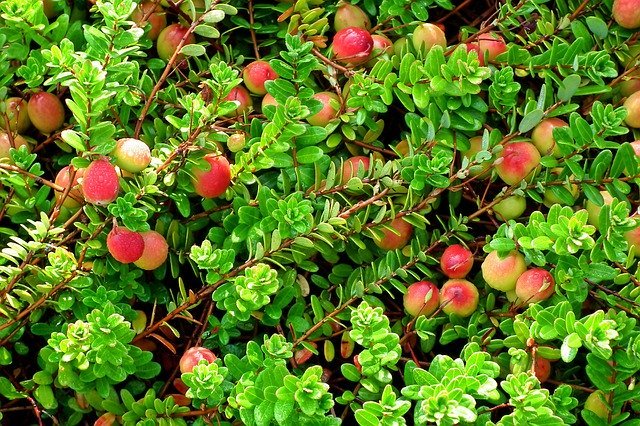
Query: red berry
(107, 419)
(193, 356)
(456, 261)
(256, 74)
(124, 245)
(459, 297)
(169, 39)
(242, 96)
(155, 251)
(100, 183)
(352, 45)
(415, 299)
(542, 369)
(213, 182)
(535, 285)
(46, 112)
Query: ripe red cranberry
(193, 356)
(352, 45)
(456, 261)
(124, 245)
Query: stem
(252, 31)
(167, 70)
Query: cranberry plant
(311, 211)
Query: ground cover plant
(319, 212)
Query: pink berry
(502, 273)
(535, 285)
(124, 245)
(6, 143)
(256, 74)
(421, 298)
(456, 261)
(46, 112)
(459, 297)
(330, 109)
(214, 181)
(100, 183)
(193, 356)
(351, 165)
(517, 162)
(627, 13)
(397, 237)
(63, 178)
(491, 45)
(169, 39)
(17, 115)
(155, 251)
(157, 17)
(242, 96)
(352, 45)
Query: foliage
(283, 276)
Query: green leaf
(531, 120)
(8, 390)
(597, 26)
(214, 16)
(264, 412)
(193, 50)
(568, 87)
(502, 244)
(282, 410)
(207, 31)
(567, 352)
(44, 395)
(73, 139)
(350, 372)
(309, 155)
(365, 418)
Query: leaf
(568, 87)
(8, 390)
(282, 410)
(350, 372)
(309, 155)
(207, 31)
(600, 165)
(568, 353)
(531, 120)
(597, 26)
(193, 50)
(593, 194)
(213, 16)
(44, 395)
(263, 413)
(73, 139)
(502, 244)
(365, 418)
